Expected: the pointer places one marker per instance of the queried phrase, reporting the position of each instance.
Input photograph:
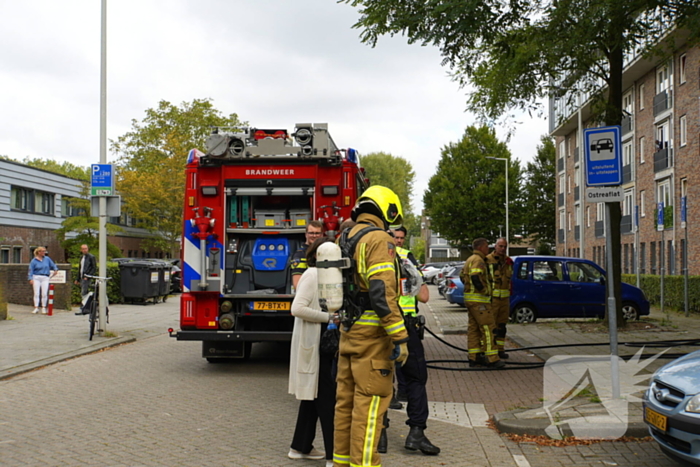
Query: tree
(151, 159)
(539, 192)
(85, 227)
(393, 172)
(465, 198)
(396, 173)
(65, 168)
(519, 51)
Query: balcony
(661, 160)
(599, 229)
(560, 164)
(577, 193)
(668, 217)
(560, 236)
(662, 102)
(626, 224)
(626, 173)
(560, 200)
(577, 232)
(576, 155)
(626, 124)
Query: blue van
(561, 287)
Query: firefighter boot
(383, 441)
(416, 440)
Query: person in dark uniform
(314, 230)
(413, 375)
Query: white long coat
(306, 337)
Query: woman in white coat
(310, 371)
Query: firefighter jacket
(376, 274)
(501, 270)
(407, 302)
(476, 266)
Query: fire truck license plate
(271, 306)
(655, 418)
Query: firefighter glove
(400, 353)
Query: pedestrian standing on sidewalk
(477, 296)
(41, 269)
(87, 266)
(310, 370)
(501, 269)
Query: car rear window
(522, 270)
(547, 271)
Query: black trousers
(414, 374)
(322, 408)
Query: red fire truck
(248, 200)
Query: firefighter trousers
(501, 313)
(480, 333)
(365, 376)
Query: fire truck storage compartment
(239, 212)
(299, 218)
(270, 218)
(261, 262)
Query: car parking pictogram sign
(602, 148)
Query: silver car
(672, 408)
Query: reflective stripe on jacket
(476, 266)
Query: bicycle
(93, 302)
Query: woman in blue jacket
(41, 269)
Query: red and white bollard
(50, 299)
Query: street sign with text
(102, 180)
(602, 148)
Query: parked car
(430, 272)
(446, 274)
(561, 287)
(672, 408)
(454, 291)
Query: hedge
(114, 294)
(673, 290)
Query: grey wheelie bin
(140, 280)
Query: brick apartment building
(661, 163)
(34, 203)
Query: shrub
(673, 290)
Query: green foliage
(668, 217)
(64, 168)
(114, 294)
(393, 172)
(465, 198)
(673, 290)
(152, 157)
(419, 250)
(539, 193)
(544, 248)
(513, 53)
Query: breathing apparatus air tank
(329, 261)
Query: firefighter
(314, 230)
(365, 365)
(501, 269)
(477, 296)
(413, 375)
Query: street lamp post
(506, 161)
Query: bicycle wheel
(93, 318)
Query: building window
(641, 150)
(568, 184)
(681, 69)
(5, 255)
(17, 254)
(600, 212)
(642, 258)
(662, 136)
(568, 221)
(588, 216)
(67, 210)
(22, 199)
(642, 204)
(47, 201)
(683, 130)
(663, 193)
(562, 148)
(652, 256)
(641, 97)
(662, 78)
(627, 203)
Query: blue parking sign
(102, 180)
(603, 151)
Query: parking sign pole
(612, 308)
(103, 160)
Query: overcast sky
(273, 62)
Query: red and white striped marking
(50, 300)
